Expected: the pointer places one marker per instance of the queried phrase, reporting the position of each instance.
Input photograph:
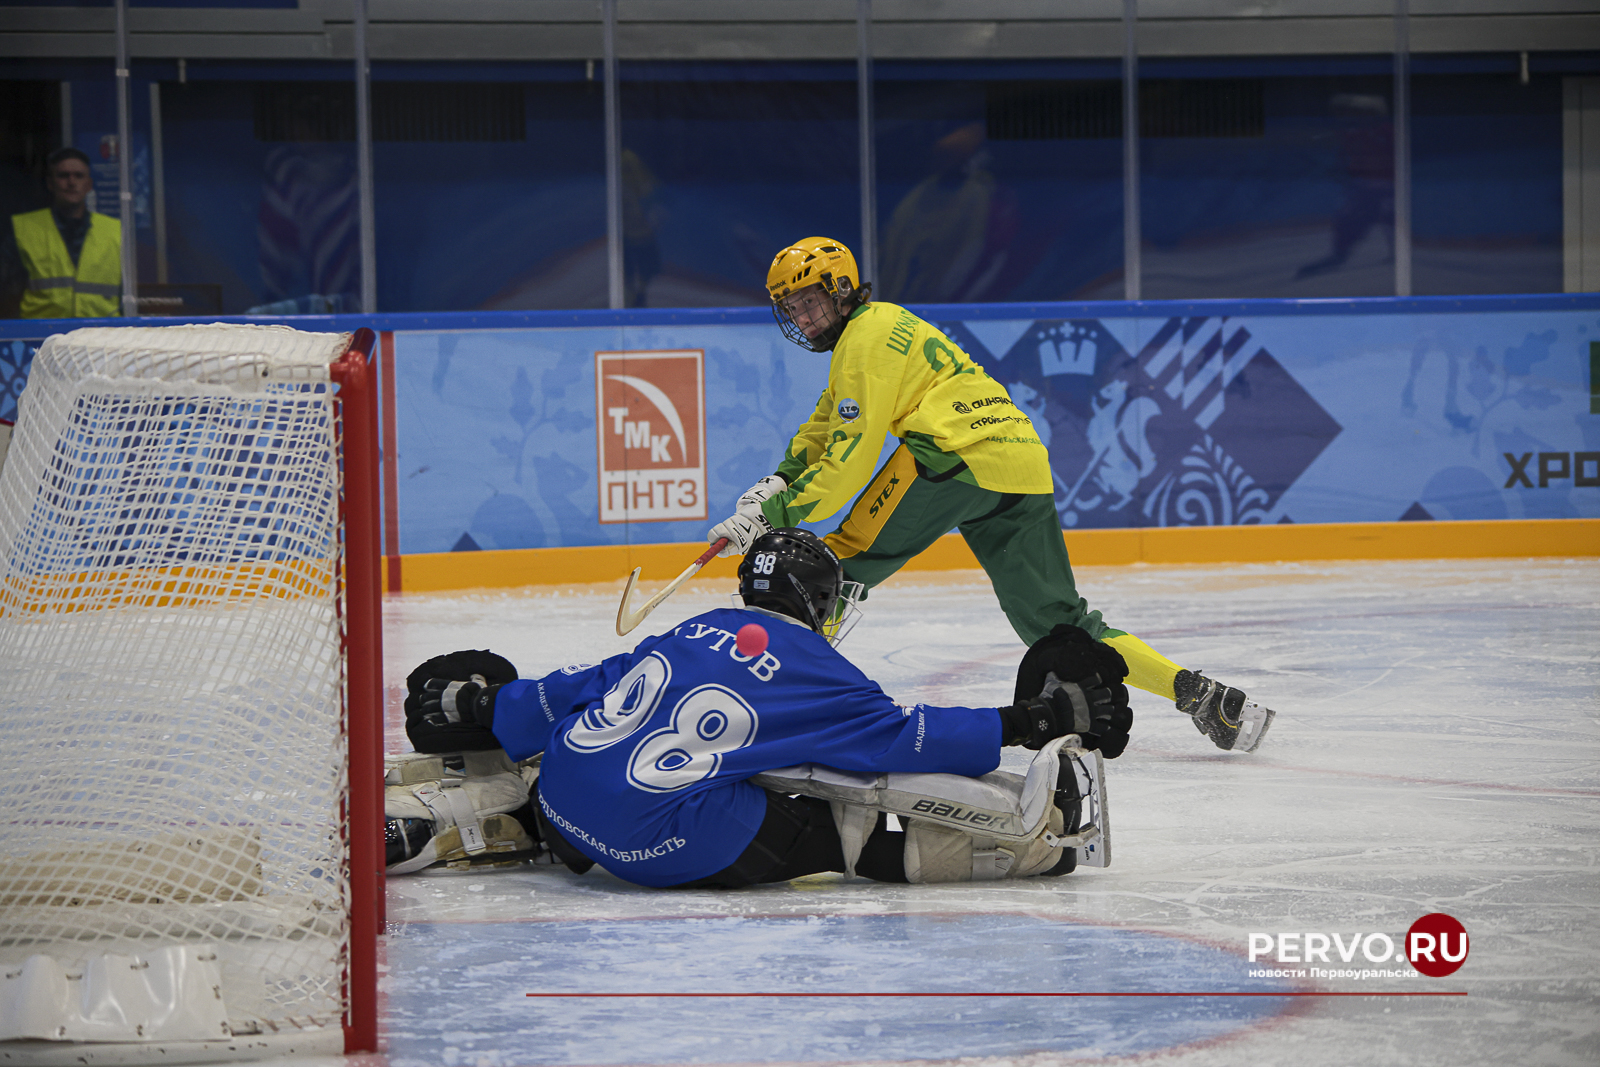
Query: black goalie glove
(1098, 714)
(450, 701)
(1069, 683)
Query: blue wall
(725, 162)
(1156, 414)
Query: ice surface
(1435, 750)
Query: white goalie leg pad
(936, 853)
(999, 804)
(939, 853)
(855, 824)
(466, 807)
(409, 767)
(999, 811)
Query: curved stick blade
(627, 620)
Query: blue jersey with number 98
(646, 755)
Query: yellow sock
(1147, 669)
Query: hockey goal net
(190, 781)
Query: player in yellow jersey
(969, 459)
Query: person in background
(1366, 155)
(63, 261)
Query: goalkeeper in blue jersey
(689, 763)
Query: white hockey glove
(741, 530)
(766, 488)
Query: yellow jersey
(59, 288)
(894, 373)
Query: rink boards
(557, 430)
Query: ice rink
(1435, 749)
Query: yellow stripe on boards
(508, 568)
(190, 586)
(1505, 538)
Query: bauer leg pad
(855, 823)
(936, 853)
(1000, 825)
(438, 814)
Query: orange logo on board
(651, 427)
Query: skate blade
(1253, 723)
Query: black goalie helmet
(792, 572)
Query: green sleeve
(846, 432)
(808, 441)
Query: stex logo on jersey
(651, 434)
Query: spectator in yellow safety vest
(63, 261)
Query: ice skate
(1080, 796)
(1069, 801)
(1234, 722)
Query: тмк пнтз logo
(651, 435)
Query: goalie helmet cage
(190, 634)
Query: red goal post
(190, 618)
(363, 635)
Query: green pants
(1016, 537)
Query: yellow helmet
(813, 261)
(816, 261)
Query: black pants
(798, 837)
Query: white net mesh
(172, 683)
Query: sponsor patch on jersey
(761, 583)
(849, 410)
(988, 401)
(576, 668)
